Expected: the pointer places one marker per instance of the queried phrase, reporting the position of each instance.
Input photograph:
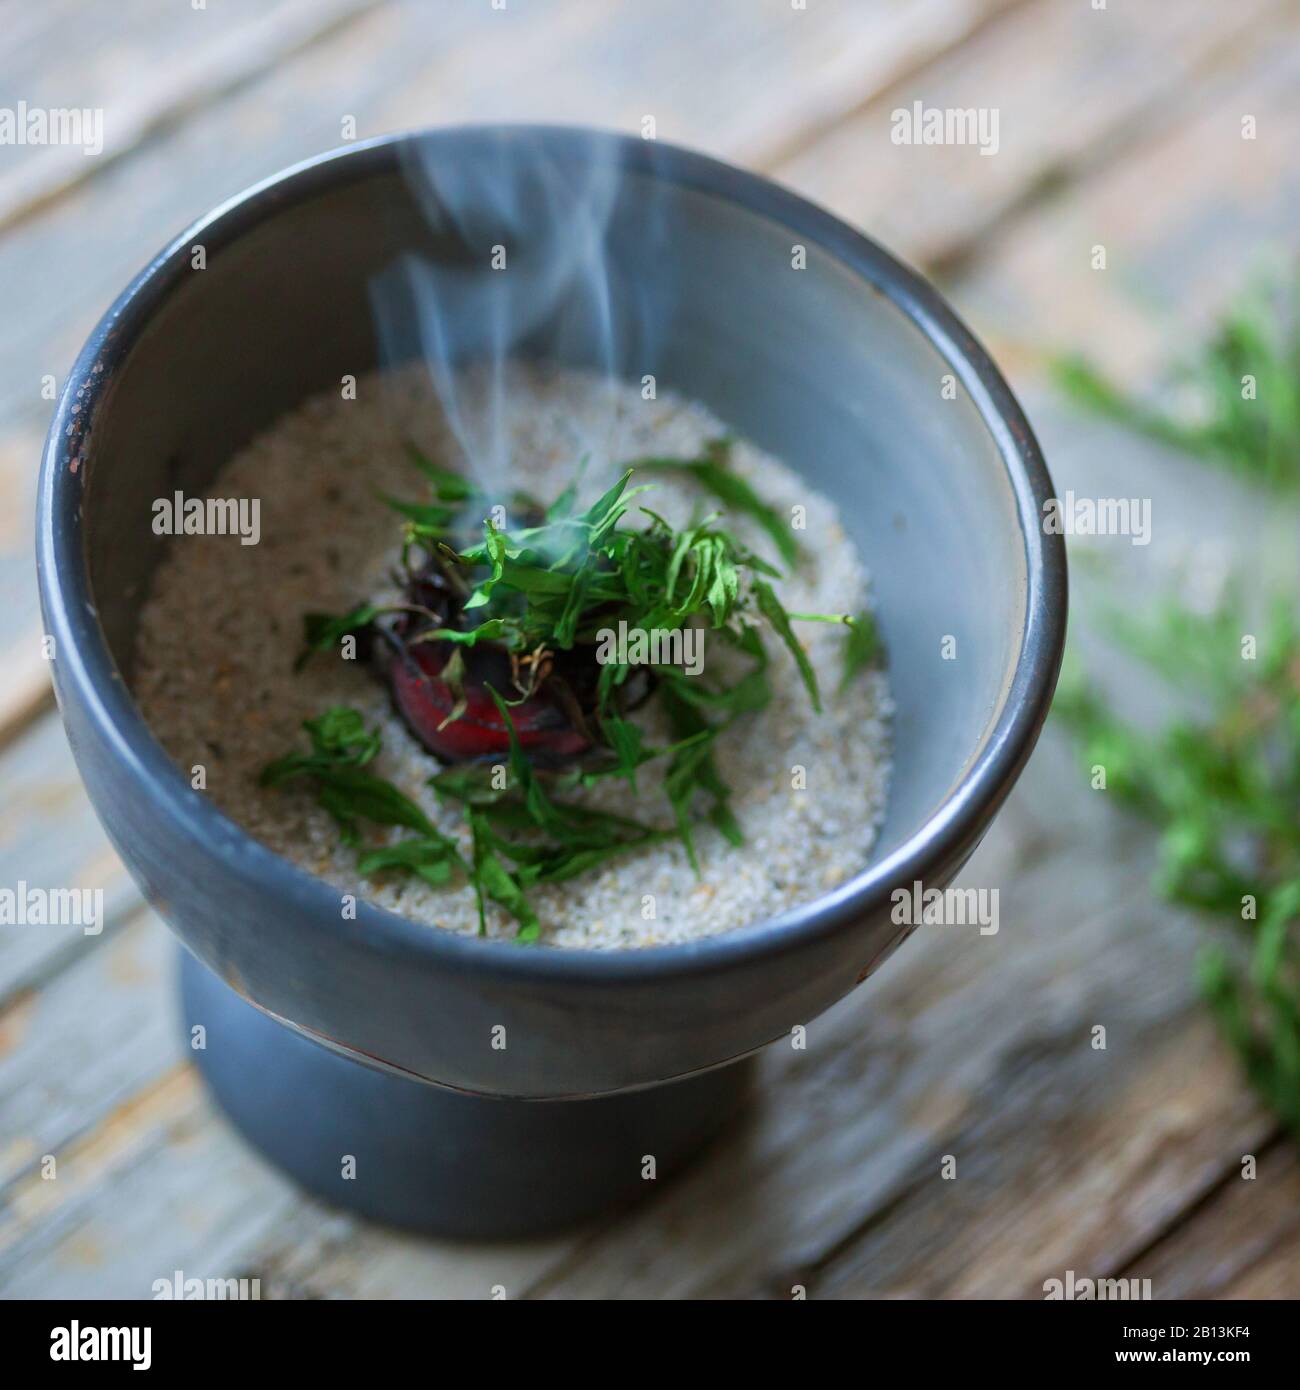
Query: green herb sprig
(522, 834)
(553, 586)
(341, 747)
(1244, 385)
(1224, 790)
(1223, 785)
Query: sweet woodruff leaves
(549, 588)
(1236, 402)
(1223, 785)
(1224, 789)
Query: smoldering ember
(179, 515)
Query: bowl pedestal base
(438, 1161)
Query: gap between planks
(176, 86)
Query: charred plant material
(442, 687)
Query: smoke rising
(524, 269)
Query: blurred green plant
(1224, 789)
(1222, 780)
(1238, 400)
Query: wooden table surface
(1119, 126)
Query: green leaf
(713, 473)
(452, 676)
(725, 820)
(324, 631)
(625, 739)
(1253, 434)
(488, 631)
(533, 579)
(684, 777)
(338, 738)
(770, 607)
(360, 795)
(1222, 784)
(449, 486)
(605, 506)
(495, 546)
(341, 733)
(862, 648)
(573, 863)
(340, 747)
(429, 516)
(432, 859)
(467, 782)
(491, 877)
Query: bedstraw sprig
(554, 585)
(1223, 785)
(1224, 789)
(1236, 403)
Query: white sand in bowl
(223, 624)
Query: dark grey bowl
(836, 368)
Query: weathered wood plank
(357, 1260)
(149, 1178)
(93, 1072)
(699, 79)
(1063, 1173)
(410, 65)
(926, 1057)
(140, 65)
(1242, 1242)
(57, 1081)
(157, 1188)
(1072, 88)
(50, 839)
(25, 690)
(1183, 222)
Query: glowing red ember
(426, 702)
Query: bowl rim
(950, 831)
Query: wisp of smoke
(523, 270)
